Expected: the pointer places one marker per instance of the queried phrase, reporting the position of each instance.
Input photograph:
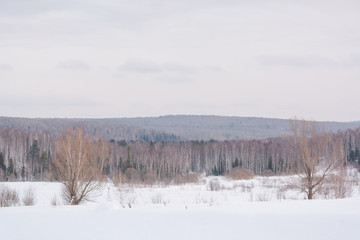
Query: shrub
(8, 197)
(127, 196)
(263, 197)
(192, 178)
(149, 178)
(28, 198)
(214, 185)
(267, 173)
(341, 184)
(280, 193)
(132, 175)
(238, 173)
(189, 178)
(54, 201)
(157, 198)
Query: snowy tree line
(28, 156)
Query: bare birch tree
(76, 166)
(319, 152)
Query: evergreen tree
(2, 162)
(10, 169)
(35, 150)
(215, 171)
(129, 163)
(23, 173)
(270, 164)
(357, 154)
(236, 163)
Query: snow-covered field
(261, 208)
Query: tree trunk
(310, 193)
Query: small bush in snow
(339, 185)
(263, 197)
(54, 201)
(214, 185)
(157, 199)
(8, 197)
(127, 196)
(28, 198)
(280, 193)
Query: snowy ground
(254, 209)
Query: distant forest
(169, 128)
(27, 154)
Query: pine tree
(23, 173)
(2, 163)
(270, 164)
(10, 169)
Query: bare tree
(76, 166)
(319, 153)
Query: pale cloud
(353, 61)
(46, 101)
(145, 67)
(296, 61)
(308, 61)
(73, 65)
(174, 78)
(5, 67)
(139, 66)
(176, 67)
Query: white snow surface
(249, 209)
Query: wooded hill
(169, 128)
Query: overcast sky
(129, 58)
